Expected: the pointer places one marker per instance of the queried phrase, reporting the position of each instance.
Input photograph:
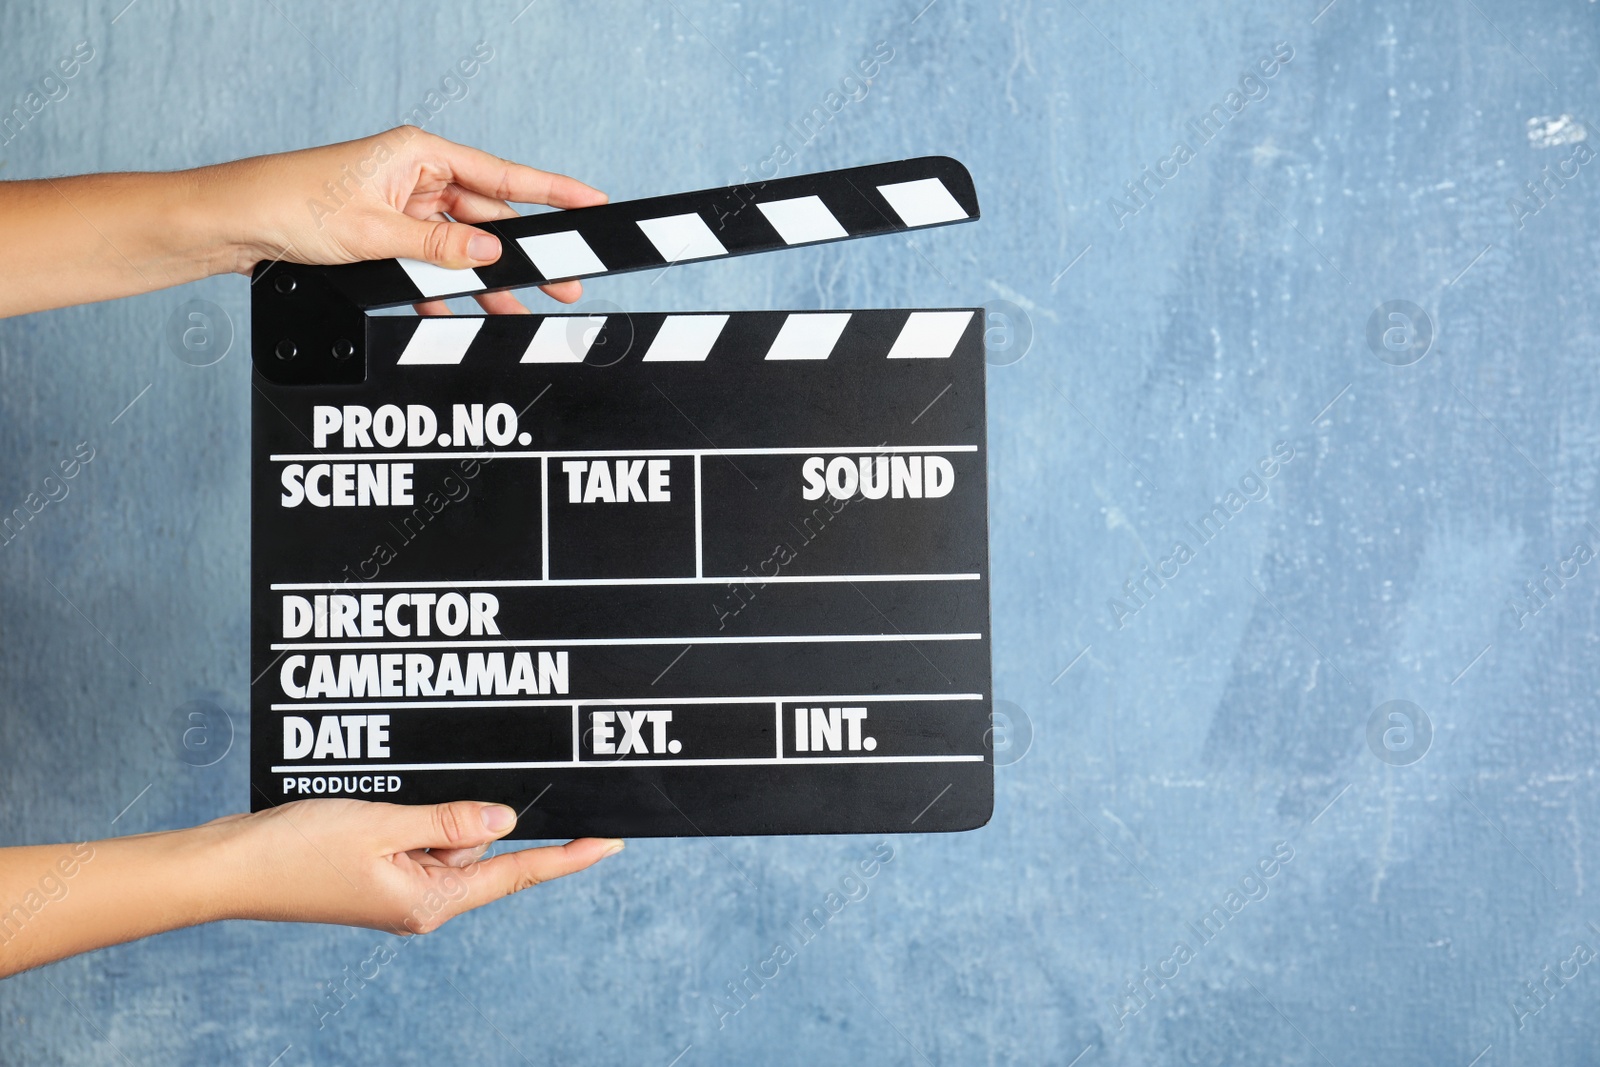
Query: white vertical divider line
(576, 735)
(699, 538)
(544, 531)
(777, 720)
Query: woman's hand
(394, 867)
(404, 193)
(391, 195)
(404, 869)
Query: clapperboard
(631, 574)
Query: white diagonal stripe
(563, 339)
(440, 339)
(679, 237)
(802, 220)
(924, 202)
(437, 281)
(808, 335)
(561, 255)
(685, 338)
(930, 335)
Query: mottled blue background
(1168, 756)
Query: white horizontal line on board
(589, 642)
(731, 579)
(402, 705)
(829, 450)
(759, 761)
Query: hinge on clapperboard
(309, 324)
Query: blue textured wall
(1176, 339)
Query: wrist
(210, 870)
(234, 222)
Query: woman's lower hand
(393, 867)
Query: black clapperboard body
(632, 574)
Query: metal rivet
(286, 350)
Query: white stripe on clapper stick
(563, 339)
(440, 340)
(925, 202)
(680, 237)
(808, 335)
(685, 338)
(561, 255)
(439, 281)
(802, 220)
(930, 335)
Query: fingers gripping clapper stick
(306, 317)
(634, 574)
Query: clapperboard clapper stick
(632, 574)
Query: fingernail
(497, 818)
(483, 247)
(613, 849)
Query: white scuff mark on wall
(1381, 868)
(1577, 840)
(1021, 55)
(1265, 153)
(1117, 520)
(1126, 833)
(1008, 293)
(1546, 131)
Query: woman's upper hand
(393, 867)
(403, 193)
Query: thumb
(459, 824)
(452, 245)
